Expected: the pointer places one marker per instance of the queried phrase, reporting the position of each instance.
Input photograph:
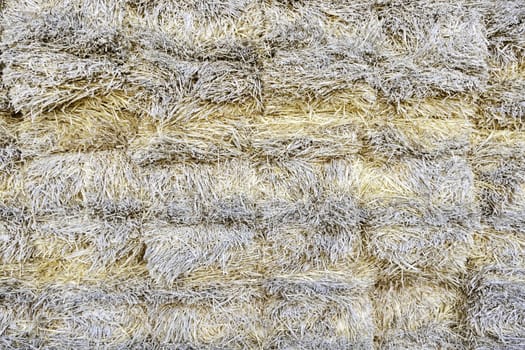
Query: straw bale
(172, 250)
(495, 309)
(420, 215)
(437, 49)
(419, 192)
(169, 88)
(301, 247)
(42, 80)
(17, 326)
(10, 154)
(418, 314)
(321, 309)
(314, 56)
(312, 137)
(498, 163)
(106, 182)
(439, 250)
(84, 29)
(503, 104)
(492, 247)
(91, 124)
(73, 316)
(426, 137)
(201, 141)
(208, 325)
(503, 21)
(94, 241)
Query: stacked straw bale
(262, 174)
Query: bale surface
(262, 174)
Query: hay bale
(418, 314)
(17, 326)
(105, 182)
(15, 234)
(508, 215)
(77, 27)
(67, 306)
(208, 310)
(312, 137)
(440, 251)
(318, 51)
(492, 247)
(420, 216)
(91, 124)
(499, 167)
(31, 76)
(418, 137)
(414, 191)
(301, 247)
(495, 312)
(71, 316)
(195, 59)
(196, 23)
(190, 193)
(10, 155)
(93, 241)
(311, 216)
(169, 88)
(58, 53)
(451, 61)
(208, 325)
(172, 251)
(503, 105)
(504, 29)
(320, 309)
(495, 283)
(206, 141)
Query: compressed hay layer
(262, 174)
(312, 137)
(98, 57)
(502, 104)
(117, 309)
(502, 248)
(496, 307)
(419, 216)
(418, 314)
(499, 167)
(321, 309)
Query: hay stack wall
(262, 174)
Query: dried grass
(105, 182)
(419, 314)
(418, 137)
(91, 124)
(321, 309)
(495, 308)
(420, 215)
(241, 174)
(172, 251)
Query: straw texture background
(262, 174)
